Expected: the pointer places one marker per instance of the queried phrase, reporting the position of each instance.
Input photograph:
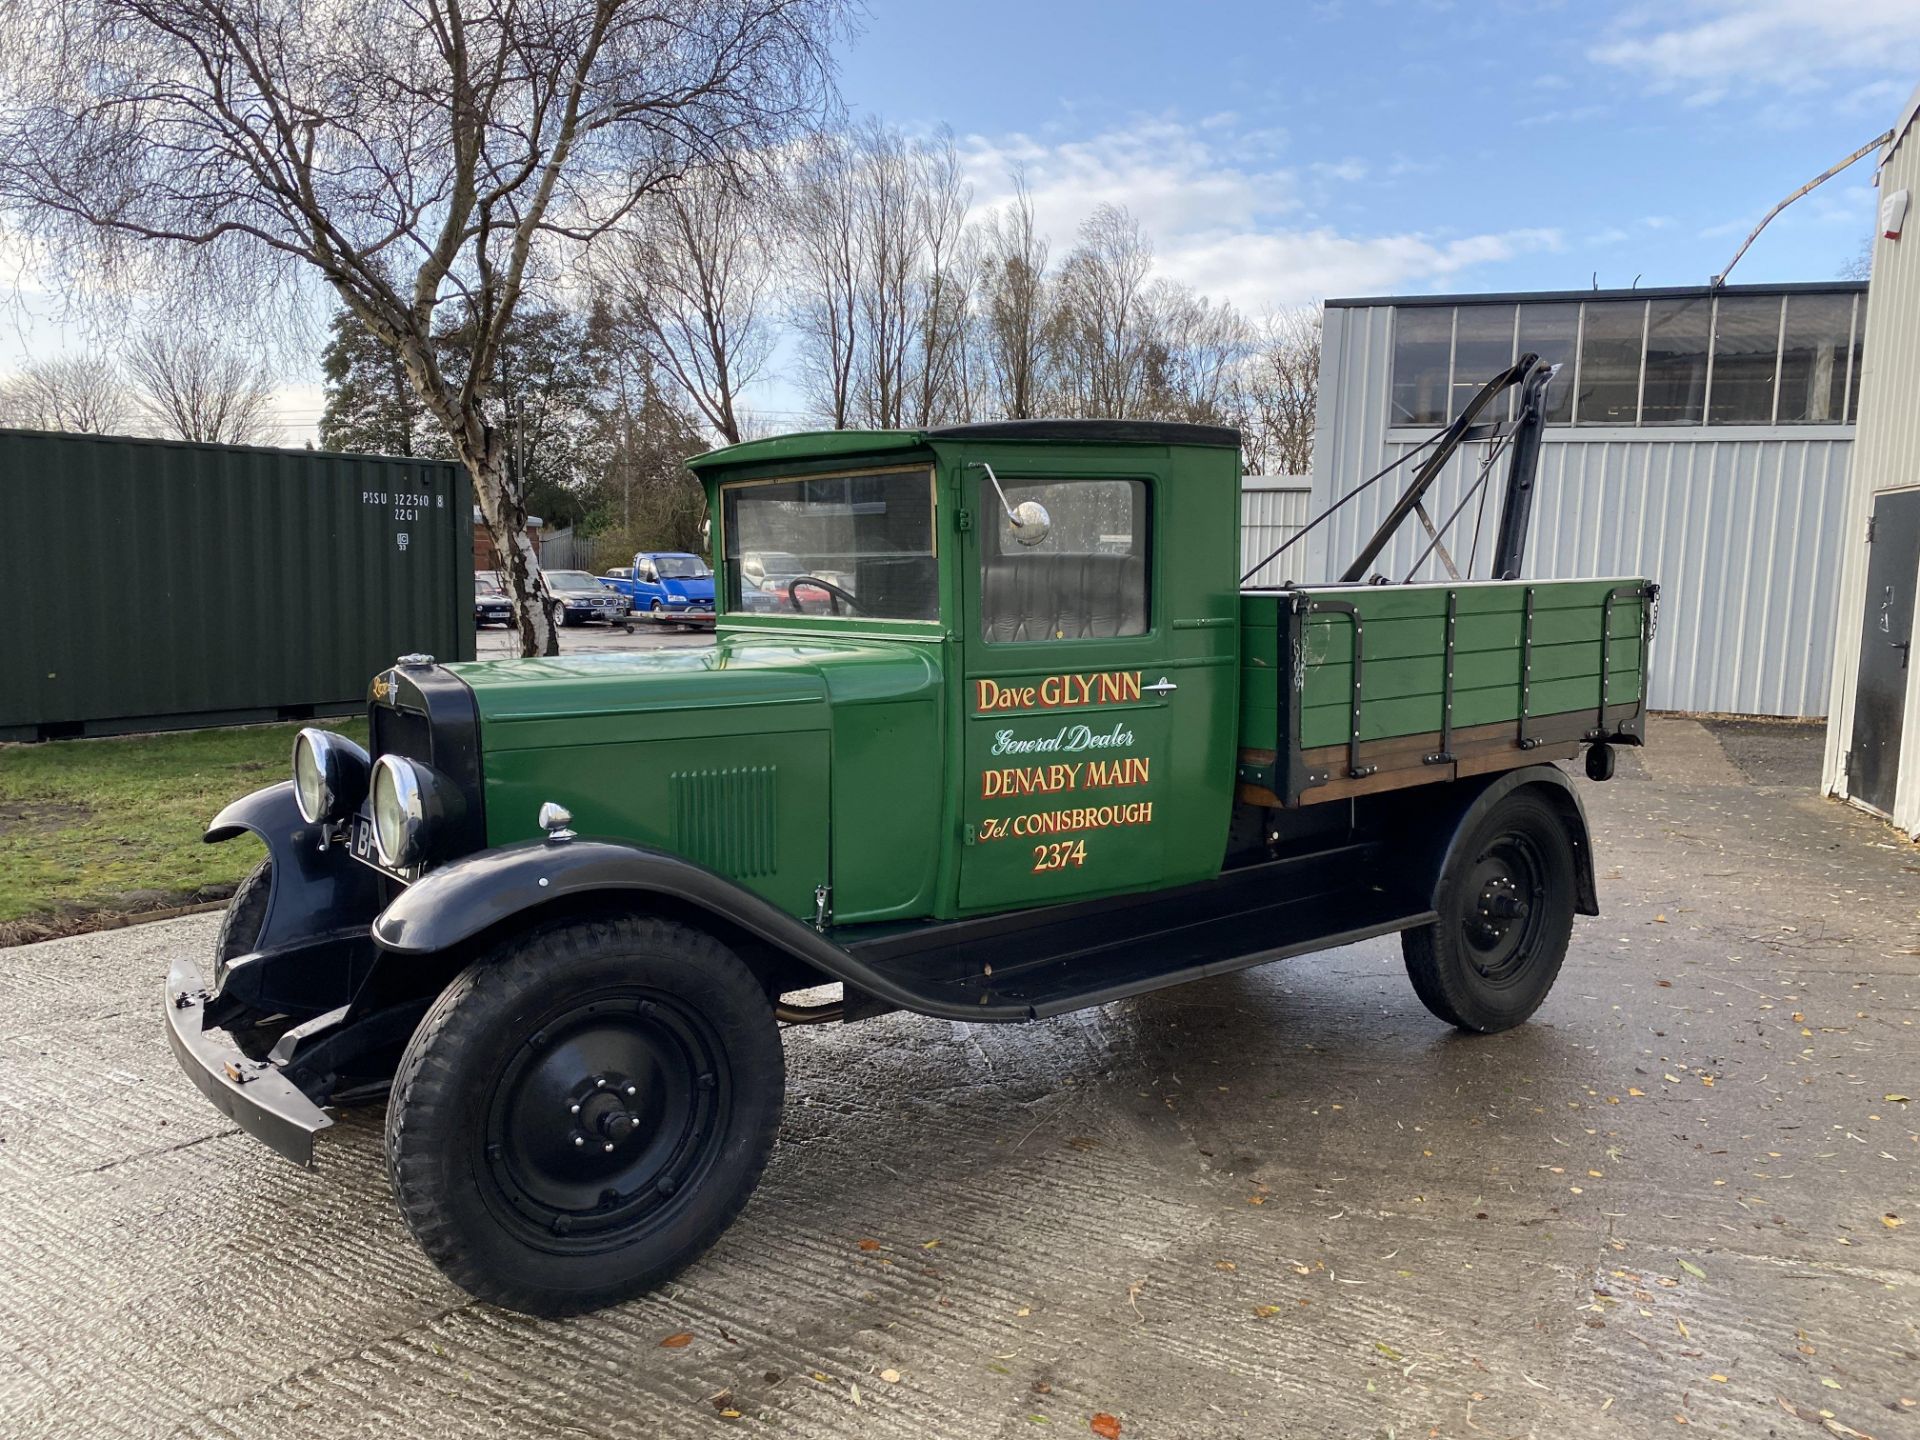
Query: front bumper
(253, 1094)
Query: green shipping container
(166, 585)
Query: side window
(1085, 580)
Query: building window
(1482, 349)
(1611, 346)
(1553, 333)
(1675, 388)
(1422, 364)
(1746, 353)
(1813, 359)
(1853, 367)
(1789, 358)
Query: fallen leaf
(1256, 1199)
(1634, 1092)
(1892, 1222)
(1899, 1100)
(729, 1414)
(1225, 1265)
(1024, 1311)
(854, 1390)
(1105, 1426)
(1718, 1379)
(892, 1377)
(1266, 1312)
(1387, 1350)
(1693, 1270)
(869, 1244)
(677, 1342)
(1659, 919)
(1829, 1382)
(931, 1245)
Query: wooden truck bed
(1353, 689)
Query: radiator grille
(725, 818)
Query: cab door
(1073, 698)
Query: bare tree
(883, 261)
(457, 150)
(825, 258)
(1013, 306)
(690, 279)
(1098, 335)
(81, 393)
(192, 388)
(947, 264)
(1195, 350)
(1278, 394)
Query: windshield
(681, 567)
(868, 536)
(571, 580)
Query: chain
(1653, 613)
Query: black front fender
(454, 903)
(312, 948)
(318, 889)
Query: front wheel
(1506, 917)
(584, 1111)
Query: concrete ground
(1286, 1202)
(495, 643)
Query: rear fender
(455, 904)
(1461, 808)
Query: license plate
(361, 847)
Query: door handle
(1162, 688)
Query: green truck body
(988, 731)
(909, 766)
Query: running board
(1031, 965)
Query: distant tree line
(177, 387)
(864, 271)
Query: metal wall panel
(1740, 526)
(1273, 508)
(1887, 458)
(164, 584)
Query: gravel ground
(1283, 1202)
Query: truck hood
(692, 588)
(738, 686)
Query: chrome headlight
(403, 802)
(329, 776)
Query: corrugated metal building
(1273, 509)
(1699, 438)
(1875, 700)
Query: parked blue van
(671, 582)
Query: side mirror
(1031, 523)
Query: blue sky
(1282, 153)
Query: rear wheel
(582, 1113)
(1506, 917)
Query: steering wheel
(834, 593)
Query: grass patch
(115, 824)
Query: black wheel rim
(608, 1113)
(1503, 910)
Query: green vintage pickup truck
(1016, 743)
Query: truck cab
(999, 736)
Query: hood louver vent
(724, 819)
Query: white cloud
(1251, 234)
(1708, 48)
